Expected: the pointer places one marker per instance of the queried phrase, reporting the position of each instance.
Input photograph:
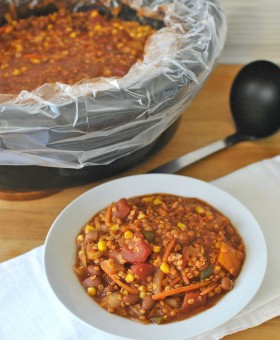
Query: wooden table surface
(24, 224)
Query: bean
(226, 283)
(94, 270)
(113, 301)
(131, 299)
(110, 288)
(92, 236)
(122, 208)
(148, 302)
(186, 236)
(90, 282)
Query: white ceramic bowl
(60, 256)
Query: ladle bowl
(255, 107)
(255, 99)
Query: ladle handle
(196, 155)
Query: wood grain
(24, 224)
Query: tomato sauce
(67, 48)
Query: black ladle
(255, 106)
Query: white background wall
(253, 30)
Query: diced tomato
(137, 250)
(143, 270)
(116, 255)
(122, 208)
(193, 301)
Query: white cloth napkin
(29, 310)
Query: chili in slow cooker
(158, 258)
(67, 47)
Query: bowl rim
(226, 308)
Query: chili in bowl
(155, 256)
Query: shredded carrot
(164, 206)
(123, 285)
(209, 289)
(168, 249)
(120, 283)
(163, 295)
(176, 280)
(108, 215)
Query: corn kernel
(199, 210)
(94, 14)
(129, 278)
(147, 199)
(182, 226)
(115, 227)
(157, 201)
(143, 295)
(142, 289)
(156, 249)
(88, 228)
(98, 27)
(18, 47)
(141, 215)
(80, 238)
(218, 245)
(91, 291)
(35, 61)
(107, 71)
(164, 267)
(128, 234)
(16, 72)
(110, 263)
(102, 245)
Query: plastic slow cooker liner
(100, 120)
